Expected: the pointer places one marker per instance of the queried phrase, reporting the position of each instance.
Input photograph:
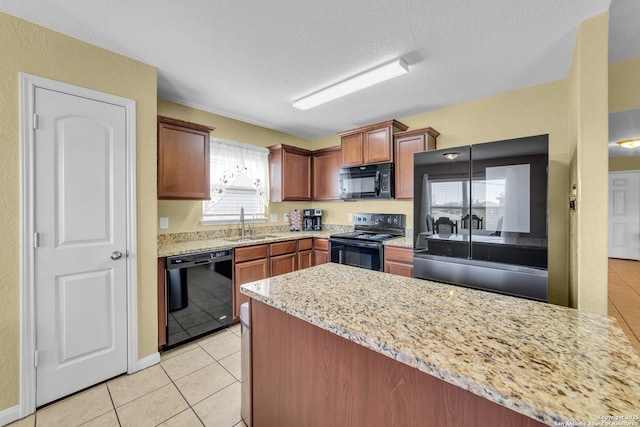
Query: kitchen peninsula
(338, 345)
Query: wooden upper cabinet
(289, 173)
(352, 149)
(326, 167)
(370, 144)
(406, 144)
(378, 146)
(183, 159)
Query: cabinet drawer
(321, 244)
(305, 244)
(250, 253)
(283, 247)
(392, 253)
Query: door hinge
(36, 240)
(35, 121)
(35, 358)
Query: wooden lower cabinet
(308, 376)
(398, 261)
(282, 264)
(320, 251)
(305, 253)
(249, 264)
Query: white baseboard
(150, 360)
(9, 415)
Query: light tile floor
(624, 297)
(198, 383)
(194, 385)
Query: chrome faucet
(242, 222)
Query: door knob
(116, 255)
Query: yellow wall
(28, 48)
(588, 124)
(185, 215)
(624, 85)
(533, 111)
(624, 163)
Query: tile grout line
(624, 320)
(185, 399)
(113, 403)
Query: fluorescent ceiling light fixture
(630, 143)
(369, 78)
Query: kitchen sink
(251, 238)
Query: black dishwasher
(199, 295)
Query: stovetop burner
(363, 235)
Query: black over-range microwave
(367, 182)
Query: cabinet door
(282, 264)
(405, 148)
(326, 167)
(246, 272)
(183, 163)
(296, 174)
(398, 268)
(305, 259)
(352, 150)
(378, 146)
(320, 257)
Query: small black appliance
(312, 220)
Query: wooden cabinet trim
(182, 123)
(414, 132)
(389, 123)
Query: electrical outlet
(164, 223)
(350, 217)
(286, 217)
(274, 217)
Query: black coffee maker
(312, 220)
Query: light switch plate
(274, 217)
(164, 223)
(286, 217)
(350, 217)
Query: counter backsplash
(235, 231)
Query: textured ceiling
(251, 60)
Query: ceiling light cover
(630, 143)
(451, 155)
(369, 78)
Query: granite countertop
(171, 248)
(401, 242)
(551, 363)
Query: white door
(80, 221)
(624, 215)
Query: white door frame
(28, 84)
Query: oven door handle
(356, 243)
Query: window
(239, 178)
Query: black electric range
(363, 247)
